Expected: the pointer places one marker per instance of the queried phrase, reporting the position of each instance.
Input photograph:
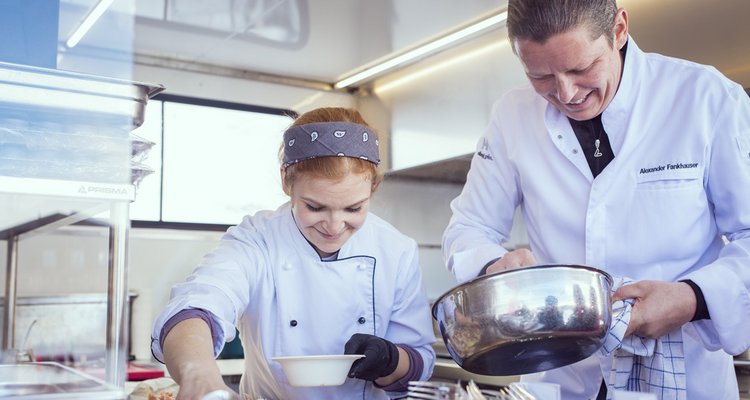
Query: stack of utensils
(455, 391)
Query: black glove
(381, 356)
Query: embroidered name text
(668, 166)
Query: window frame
(172, 98)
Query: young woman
(319, 275)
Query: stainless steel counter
(49, 380)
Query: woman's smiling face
(328, 212)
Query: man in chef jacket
(633, 162)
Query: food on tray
(155, 389)
(162, 395)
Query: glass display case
(66, 154)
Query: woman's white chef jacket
(265, 275)
(680, 179)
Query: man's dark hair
(538, 20)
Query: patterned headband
(325, 139)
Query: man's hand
(659, 307)
(512, 260)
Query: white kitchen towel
(638, 364)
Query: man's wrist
(701, 308)
(483, 271)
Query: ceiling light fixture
(431, 47)
(423, 72)
(88, 22)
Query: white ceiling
(321, 40)
(336, 35)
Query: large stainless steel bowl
(525, 320)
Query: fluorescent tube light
(468, 56)
(88, 22)
(422, 50)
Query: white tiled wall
(420, 210)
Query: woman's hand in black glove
(381, 356)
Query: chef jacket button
(575, 151)
(361, 320)
(559, 136)
(293, 323)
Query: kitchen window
(213, 163)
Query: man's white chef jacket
(680, 180)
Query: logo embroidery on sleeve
(484, 152)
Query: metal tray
(50, 381)
(30, 92)
(64, 125)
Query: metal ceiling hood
(352, 81)
(451, 170)
(230, 72)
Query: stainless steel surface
(52, 381)
(54, 337)
(515, 392)
(89, 97)
(241, 73)
(452, 170)
(525, 320)
(9, 312)
(117, 294)
(50, 223)
(435, 390)
(13, 235)
(472, 391)
(446, 369)
(63, 125)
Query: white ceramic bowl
(325, 370)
